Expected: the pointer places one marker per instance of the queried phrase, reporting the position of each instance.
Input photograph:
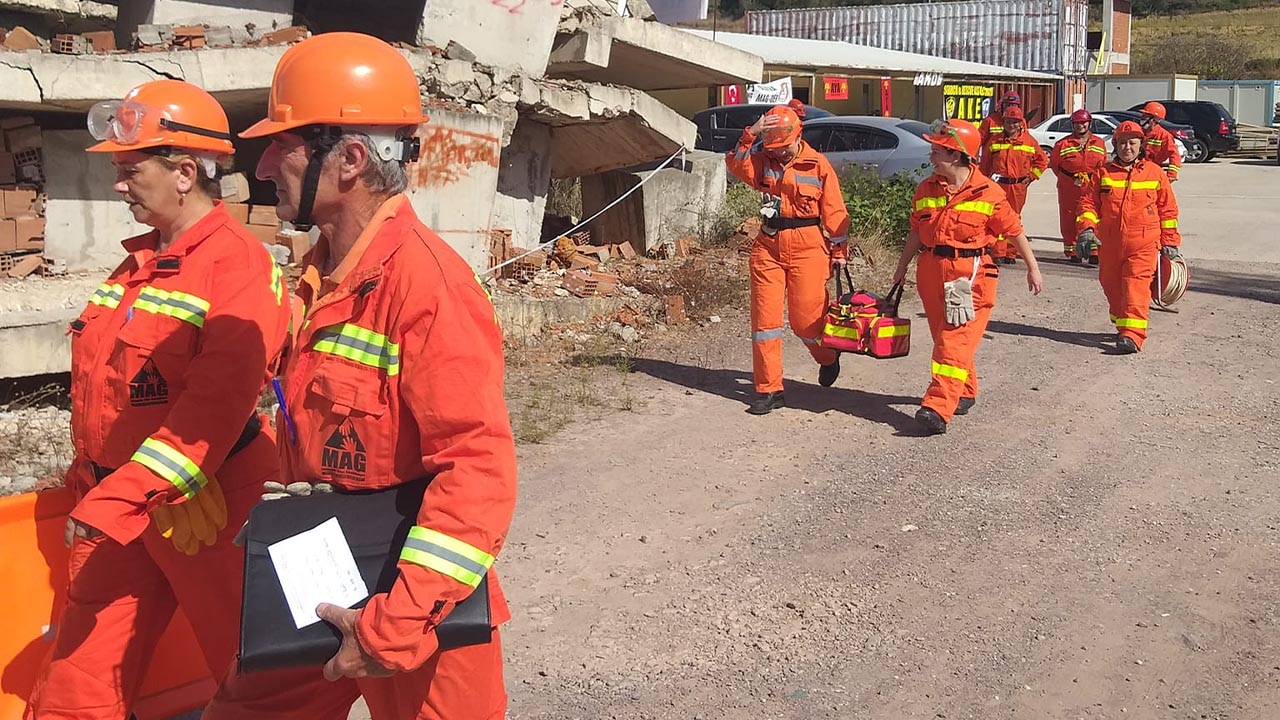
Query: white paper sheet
(316, 566)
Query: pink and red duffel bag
(864, 323)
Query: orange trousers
(954, 347)
(460, 684)
(1068, 211)
(1126, 267)
(795, 265)
(121, 599)
(1017, 196)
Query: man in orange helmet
(1128, 207)
(1161, 145)
(168, 359)
(396, 359)
(993, 123)
(1074, 158)
(956, 216)
(1013, 159)
(796, 250)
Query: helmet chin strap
(321, 143)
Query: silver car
(890, 145)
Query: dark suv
(1213, 125)
(720, 127)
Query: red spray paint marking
(448, 154)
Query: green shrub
(878, 206)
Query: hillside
(1141, 8)
(1225, 45)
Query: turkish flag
(733, 95)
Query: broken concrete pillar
(524, 177)
(86, 219)
(265, 15)
(452, 186)
(682, 199)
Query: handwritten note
(316, 566)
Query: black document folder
(375, 525)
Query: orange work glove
(195, 522)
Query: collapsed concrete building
(520, 92)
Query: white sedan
(1049, 132)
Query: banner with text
(777, 92)
(967, 101)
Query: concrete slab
(524, 177)
(85, 9)
(647, 56)
(239, 76)
(513, 34)
(35, 343)
(596, 128)
(86, 219)
(265, 15)
(525, 317)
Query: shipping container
(1121, 92)
(1248, 101)
(1040, 35)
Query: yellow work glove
(195, 522)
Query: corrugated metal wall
(1040, 35)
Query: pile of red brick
(22, 197)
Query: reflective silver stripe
(808, 180)
(763, 335)
(839, 240)
(810, 341)
(772, 174)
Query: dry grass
(1240, 43)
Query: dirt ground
(1097, 539)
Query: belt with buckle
(790, 223)
(948, 251)
(1010, 181)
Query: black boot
(1074, 259)
(1126, 345)
(931, 421)
(766, 402)
(965, 405)
(827, 374)
(1093, 261)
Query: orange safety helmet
(1127, 129)
(1013, 112)
(780, 128)
(795, 104)
(1081, 116)
(955, 134)
(1011, 98)
(1154, 109)
(341, 78)
(161, 114)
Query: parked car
(890, 145)
(1049, 132)
(1190, 149)
(720, 127)
(1213, 125)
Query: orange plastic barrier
(33, 576)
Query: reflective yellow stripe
(1131, 323)
(1169, 223)
(1087, 215)
(1069, 150)
(1095, 148)
(893, 331)
(842, 331)
(1036, 171)
(1175, 169)
(1025, 148)
(931, 202)
(277, 284)
(950, 371)
(1000, 146)
(361, 345)
(446, 555)
(1135, 185)
(183, 306)
(174, 467)
(996, 129)
(108, 295)
(977, 206)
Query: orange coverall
(397, 374)
(1014, 159)
(958, 227)
(1073, 161)
(1134, 213)
(170, 354)
(1162, 149)
(794, 263)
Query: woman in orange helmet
(956, 217)
(1128, 208)
(167, 361)
(796, 250)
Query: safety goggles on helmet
(943, 127)
(130, 122)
